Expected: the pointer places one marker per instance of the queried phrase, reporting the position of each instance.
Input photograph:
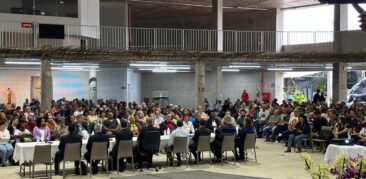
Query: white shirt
(188, 126)
(42, 134)
(263, 115)
(179, 132)
(363, 132)
(4, 136)
(76, 113)
(159, 120)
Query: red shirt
(244, 96)
(168, 125)
(30, 127)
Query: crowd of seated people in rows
(293, 122)
(72, 121)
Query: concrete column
(340, 24)
(219, 82)
(279, 29)
(218, 11)
(339, 82)
(329, 87)
(279, 85)
(127, 22)
(93, 86)
(200, 83)
(46, 85)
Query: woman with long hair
(41, 132)
(301, 131)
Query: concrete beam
(77, 55)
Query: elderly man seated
(179, 132)
(97, 137)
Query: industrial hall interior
(207, 89)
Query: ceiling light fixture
(230, 70)
(279, 69)
(67, 68)
(163, 71)
(147, 65)
(21, 63)
(244, 66)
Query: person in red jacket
(245, 97)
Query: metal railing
(13, 35)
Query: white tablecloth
(24, 151)
(351, 151)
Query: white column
(329, 87)
(93, 86)
(46, 85)
(218, 11)
(339, 82)
(200, 77)
(219, 82)
(279, 85)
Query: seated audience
(140, 139)
(97, 137)
(168, 125)
(178, 132)
(133, 125)
(201, 131)
(248, 128)
(72, 137)
(341, 128)
(21, 134)
(213, 121)
(226, 129)
(41, 132)
(110, 126)
(123, 134)
(301, 131)
(274, 119)
(6, 149)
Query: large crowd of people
(72, 121)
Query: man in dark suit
(97, 137)
(201, 131)
(72, 137)
(123, 134)
(140, 139)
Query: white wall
(112, 85)
(181, 86)
(134, 86)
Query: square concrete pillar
(200, 78)
(46, 85)
(339, 82)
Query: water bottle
(349, 133)
(168, 131)
(165, 132)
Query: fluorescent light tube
(230, 70)
(163, 71)
(22, 63)
(147, 65)
(279, 69)
(244, 66)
